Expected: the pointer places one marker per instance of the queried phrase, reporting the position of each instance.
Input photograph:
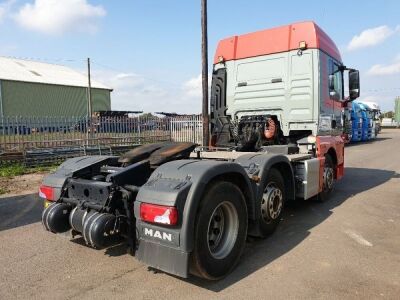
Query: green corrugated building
(36, 89)
(397, 109)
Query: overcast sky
(149, 50)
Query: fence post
(194, 128)
(138, 124)
(170, 128)
(3, 138)
(18, 137)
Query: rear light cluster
(160, 214)
(46, 192)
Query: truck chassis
(185, 210)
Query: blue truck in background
(364, 121)
(357, 122)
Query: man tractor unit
(275, 114)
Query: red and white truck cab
(276, 125)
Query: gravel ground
(346, 248)
(21, 185)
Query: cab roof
(276, 40)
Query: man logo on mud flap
(157, 234)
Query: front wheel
(328, 179)
(220, 231)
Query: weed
(12, 170)
(3, 191)
(19, 169)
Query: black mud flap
(159, 247)
(164, 258)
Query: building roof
(275, 40)
(39, 72)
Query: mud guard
(182, 184)
(257, 166)
(179, 183)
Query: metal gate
(187, 129)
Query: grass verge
(3, 191)
(19, 169)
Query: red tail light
(46, 192)
(159, 214)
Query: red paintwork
(324, 143)
(275, 40)
(321, 172)
(269, 132)
(345, 138)
(332, 104)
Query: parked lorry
(276, 101)
(374, 112)
(357, 122)
(366, 128)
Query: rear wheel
(328, 179)
(220, 231)
(272, 203)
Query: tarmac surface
(345, 248)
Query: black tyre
(272, 203)
(328, 179)
(220, 231)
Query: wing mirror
(354, 84)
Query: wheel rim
(271, 203)
(223, 229)
(328, 178)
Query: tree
(387, 114)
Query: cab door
(331, 96)
(336, 94)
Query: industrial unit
(36, 89)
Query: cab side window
(336, 89)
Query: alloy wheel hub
(271, 203)
(328, 178)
